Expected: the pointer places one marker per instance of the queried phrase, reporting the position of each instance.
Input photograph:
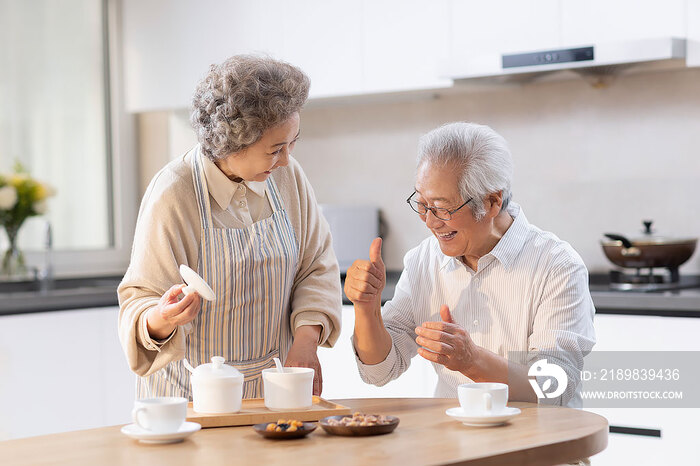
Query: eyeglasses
(439, 212)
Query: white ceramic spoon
(278, 363)
(195, 283)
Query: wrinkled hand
(365, 280)
(171, 312)
(303, 354)
(447, 343)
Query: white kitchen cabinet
(597, 21)
(404, 42)
(62, 371)
(502, 26)
(168, 45)
(648, 333)
(482, 31)
(346, 48)
(365, 47)
(341, 378)
(323, 38)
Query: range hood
(597, 62)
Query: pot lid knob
(216, 370)
(217, 362)
(647, 226)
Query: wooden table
(425, 435)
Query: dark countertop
(680, 303)
(64, 294)
(82, 293)
(676, 303)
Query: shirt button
(476, 322)
(241, 188)
(242, 204)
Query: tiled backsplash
(587, 161)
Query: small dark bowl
(358, 431)
(306, 429)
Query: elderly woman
(237, 209)
(487, 293)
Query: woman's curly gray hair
(243, 97)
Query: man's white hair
(481, 155)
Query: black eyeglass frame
(409, 201)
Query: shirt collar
(447, 259)
(222, 188)
(510, 244)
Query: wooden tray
(253, 411)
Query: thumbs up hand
(365, 280)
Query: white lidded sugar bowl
(216, 387)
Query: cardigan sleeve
(167, 234)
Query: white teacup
(482, 399)
(162, 414)
(291, 389)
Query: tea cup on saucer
(482, 399)
(163, 414)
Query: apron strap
(275, 198)
(201, 190)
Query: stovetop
(641, 283)
(681, 299)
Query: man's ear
(493, 204)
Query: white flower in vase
(8, 197)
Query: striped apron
(251, 271)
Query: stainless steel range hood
(595, 62)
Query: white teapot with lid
(216, 387)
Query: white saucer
(495, 419)
(146, 436)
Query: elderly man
(487, 294)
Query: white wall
(588, 161)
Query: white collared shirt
(245, 201)
(530, 293)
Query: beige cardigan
(168, 234)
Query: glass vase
(13, 265)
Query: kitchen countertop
(677, 303)
(94, 292)
(425, 435)
(64, 294)
(680, 303)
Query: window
(55, 118)
(53, 114)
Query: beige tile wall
(587, 160)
